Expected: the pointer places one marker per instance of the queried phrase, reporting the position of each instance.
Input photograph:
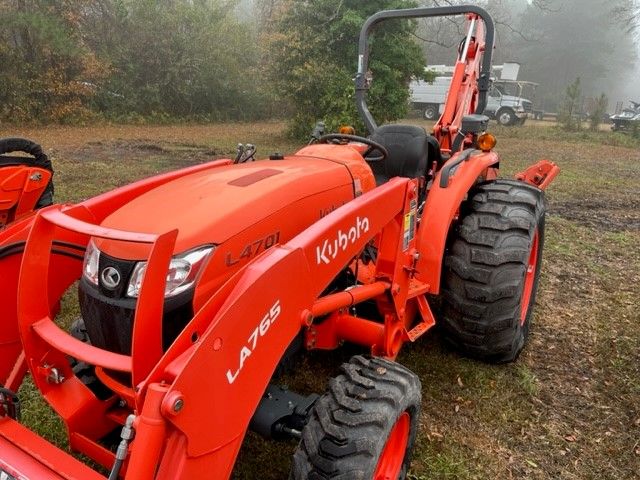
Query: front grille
(124, 269)
(109, 321)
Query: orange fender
(449, 190)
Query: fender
(20, 189)
(449, 190)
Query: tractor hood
(209, 207)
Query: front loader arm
(194, 403)
(243, 337)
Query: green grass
(569, 408)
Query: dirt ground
(569, 408)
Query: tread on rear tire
(350, 424)
(485, 271)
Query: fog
(556, 41)
(74, 60)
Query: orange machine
(25, 181)
(199, 286)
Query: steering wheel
(38, 159)
(340, 138)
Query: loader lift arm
(239, 355)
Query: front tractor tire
(491, 270)
(363, 427)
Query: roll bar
(363, 51)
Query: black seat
(410, 152)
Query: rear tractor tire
(491, 270)
(364, 427)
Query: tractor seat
(410, 152)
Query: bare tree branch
(433, 42)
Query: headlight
(182, 274)
(91, 259)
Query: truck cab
(507, 109)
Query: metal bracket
(281, 413)
(9, 404)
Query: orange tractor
(25, 180)
(197, 287)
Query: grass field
(569, 408)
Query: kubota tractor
(197, 286)
(25, 181)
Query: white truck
(504, 102)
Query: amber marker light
(486, 142)
(347, 130)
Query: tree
(574, 38)
(628, 13)
(47, 73)
(66, 60)
(314, 61)
(597, 111)
(569, 115)
(177, 58)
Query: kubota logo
(331, 247)
(110, 277)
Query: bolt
(178, 405)
(36, 177)
(55, 376)
(307, 318)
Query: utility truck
(506, 102)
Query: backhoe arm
(471, 78)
